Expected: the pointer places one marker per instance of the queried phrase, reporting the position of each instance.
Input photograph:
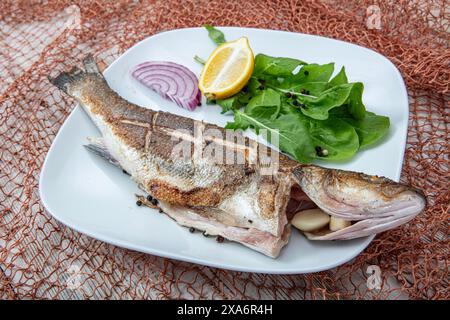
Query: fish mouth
(386, 218)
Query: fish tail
(90, 65)
(65, 79)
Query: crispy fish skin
(232, 200)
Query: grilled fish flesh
(233, 200)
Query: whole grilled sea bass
(235, 200)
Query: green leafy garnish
(265, 104)
(235, 102)
(215, 35)
(299, 135)
(370, 130)
(199, 60)
(338, 137)
(266, 66)
(350, 94)
(314, 73)
(315, 115)
(340, 78)
(288, 127)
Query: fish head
(373, 204)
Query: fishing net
(41, 258)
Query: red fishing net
(39, 257)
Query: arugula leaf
(228, 104)
(253, 85)
(370, 130)
(288, 127)
(355, 104)
(274, 66)
(314, 73)
(241, 121)
(310, 88)
(215, 35)
(234, 102)
(318, 107)
(240, 99)
(294, 137)
(265, 104)
(340, 78)
(298, 135)
(312, 79)
(336, 136)
(286, 108)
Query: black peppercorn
(219, 239)
(295, 102)
(288, 94)
(149, 198)
(248, 171)
(139, 203)
(306, 72)
(154, 202)
(191, 229)
(321, 152)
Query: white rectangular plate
(91, 196)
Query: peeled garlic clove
(310, 220)
(338, 223)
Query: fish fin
(97, 146)
(90, 65)
(61, 81)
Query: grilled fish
(233, 200)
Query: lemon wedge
(227, 70)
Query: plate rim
(186, 258)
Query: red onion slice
(171, 81)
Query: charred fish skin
(374, 204)
(142, 140)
